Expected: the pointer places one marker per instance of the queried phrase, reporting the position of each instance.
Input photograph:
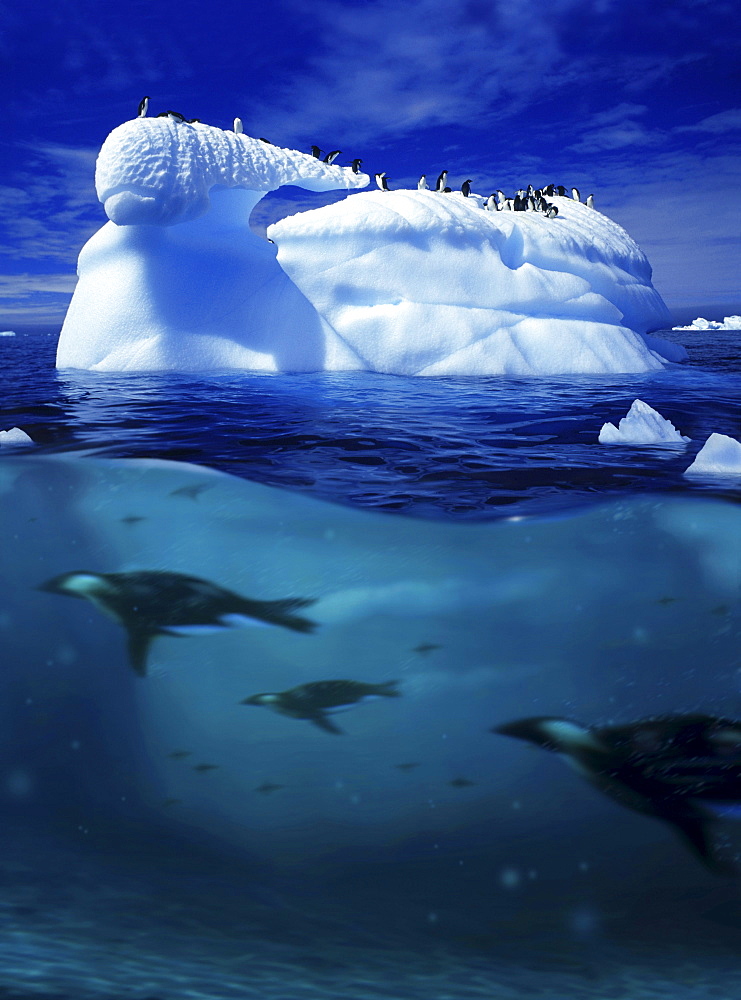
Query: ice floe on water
(399, 282)
(729, 323)
(14, 437)
(642, 425)
(719, 456)
(7, 333)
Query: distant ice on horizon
(15, 437)
(401, 282)
(719, 456)
(729, 323)
(7, 333)
(642, 425)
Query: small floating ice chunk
(719, 456)
(15, 436)
(7, 333)
(642, 425)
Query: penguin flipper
(326, 724)
(696, 832)
(139, 643)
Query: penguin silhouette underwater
(682, 769)
(313, 701)
(154, 602)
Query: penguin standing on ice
(331, 157)
(154, 602)
(466, 188)
(382, 182)
(422, 184)
(143, 107)
(314, 701)
(575, 194)
(590, 201)
(238, 126)
(442, 181)
(682, 769)
(492, 205)
(551, 211)
(316, 152)
(356, 166)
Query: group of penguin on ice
(528, 199)
(684, 769)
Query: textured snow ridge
(642, 425)
(719, 456)
(158, 171)
(421, 283)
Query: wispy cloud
(724, 121)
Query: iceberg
(729, 323)
(642, 425)
(401, 282)
(7, 333)
(719, 456)
(14, 438)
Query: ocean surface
(162, 839)
(461, 448)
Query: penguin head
(551, 733)
(75, 584)
(261, 699)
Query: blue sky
(638, 102)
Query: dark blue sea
(464, 547)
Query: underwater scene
(353, 686)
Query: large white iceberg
(719, 456)
(642, 425)
(407, 282)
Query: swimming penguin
(154, 602)
(267, 787)
(590, 201)
(441, 181)
(238, 126)
(356, 166)
(317, 152)
(331, 157)
(466, 188)
(143, 107)
(682, 769)
(575, 194)
(315, 700)
(422, 184)
(382, 181)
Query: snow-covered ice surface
(719, 456)
(729, 323)
(642, 425)
(404, 282)
(419, 283)
(14, 437)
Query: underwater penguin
(422, 184)
(682, 769)
(466, 188)
(315, 700)
(441, 181)
(590, 201)
(356, 166)
(331, 157)
(154, 602)
(143, 107)
(382, 181)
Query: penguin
(266, 141)
(551, 211)
(466, 188)
(154, 602)
(508, 205)
(382, 181)
(682, 769)
(267, 787)
(313, 701)
(461, 783)
(561, 190)
(575, 194)
(143, 107)
(491, 203)
(331, 157)
(447, 190)
(176, 116)
(356, 166)
(407, 765)
(316, 152)
(238, 126)
(549, 190)
(192, 121)
(426, 647)
(590, 201)
(422, 184)
(441, 181)
(519, 204)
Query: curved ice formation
(642, 425)
(428, 284)
(401, 282)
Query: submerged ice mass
(642, 425)
(402, 282)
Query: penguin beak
(52, 586)
(530, 730)
(254, 699)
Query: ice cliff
(404, 282)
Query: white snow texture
(404, 282)
(729, 323)
(642, 425)
(719, 456)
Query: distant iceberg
(15, 437)
(642, 425)
(7, 333)
(402, 282)
(729, 323)
(719, 456)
